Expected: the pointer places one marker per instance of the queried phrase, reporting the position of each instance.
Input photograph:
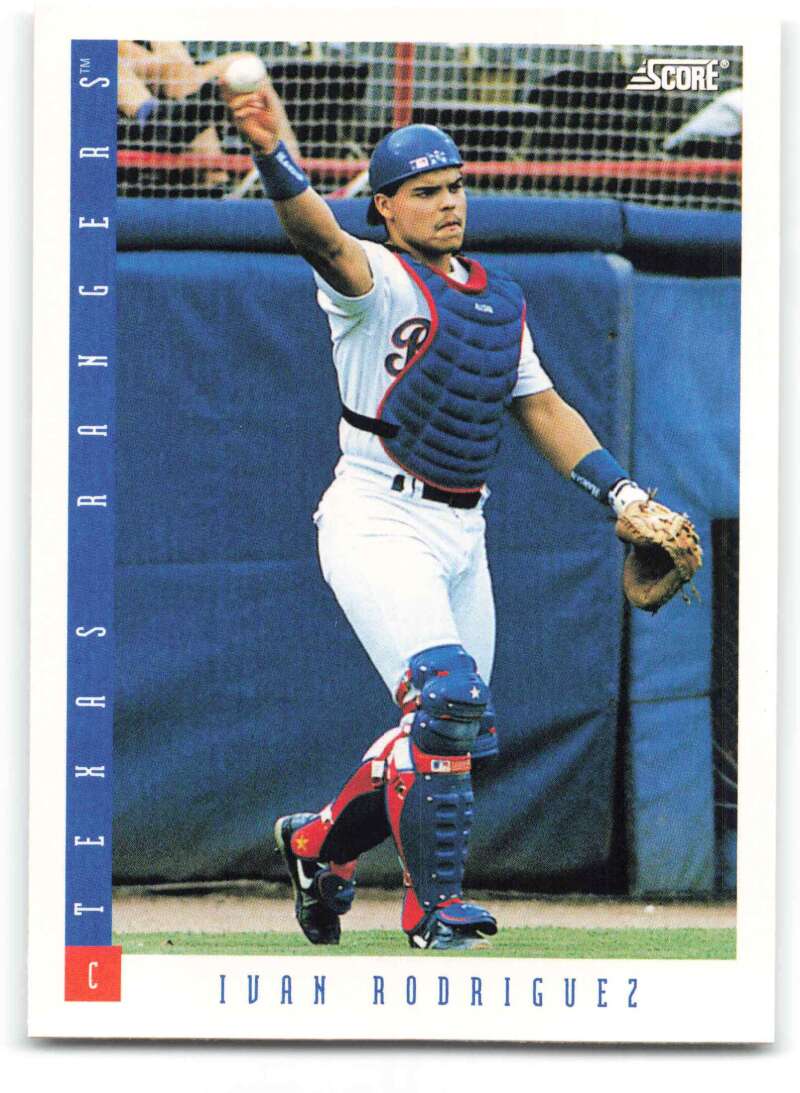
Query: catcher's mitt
(666, 553)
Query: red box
(92, 973)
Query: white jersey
(375, 335)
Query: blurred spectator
(715, 131)
(170, 102)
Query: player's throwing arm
(306, 218)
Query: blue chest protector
(440, 420)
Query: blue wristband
(597, 473)
(281, 176)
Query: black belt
(446, 497)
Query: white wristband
(624, 493)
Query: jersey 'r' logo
(408, 337)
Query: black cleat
(454, 927)
(320, 897)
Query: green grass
(628, 944)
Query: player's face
(428, 213)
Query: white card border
(758, 603)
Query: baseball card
(404, 397)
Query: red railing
(341, 169)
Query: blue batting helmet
(407, 152)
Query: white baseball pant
(408, 573)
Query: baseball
(245, 74)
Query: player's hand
(255, 115)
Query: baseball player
(430, 349)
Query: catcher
(430, 347)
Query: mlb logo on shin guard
(459, 764)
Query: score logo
(667, 74)
(93, 973)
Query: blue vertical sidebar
(90, 594)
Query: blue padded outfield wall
(241, 691)
(687, 354)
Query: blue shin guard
(429, 800)
(429, 805)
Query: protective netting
(529, 119)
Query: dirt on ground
(255, 907)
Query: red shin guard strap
(307, 841)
